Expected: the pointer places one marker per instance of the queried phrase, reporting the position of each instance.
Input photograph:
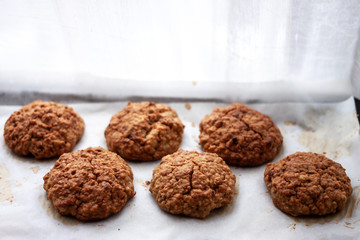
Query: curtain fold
(248, 42)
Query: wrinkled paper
(328, 128)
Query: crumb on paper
(194, 83)
(290, 123)
(5, 186)
(100, 225)
(187, 106)
(193, 124)
(292, 226)
(143, 183)
(35, 169)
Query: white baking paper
(329, 128)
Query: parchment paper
(330, 128)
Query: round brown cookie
(307, 184)
(240, 135)
(89, 184)
(144, 131)
(43, 129)
(192, 183)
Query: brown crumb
(193, 124)
(35, 169)
(144, 184)
(194, 83)
(289, 123)
(188, 106)
(292, 226)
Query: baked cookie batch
(94, 183)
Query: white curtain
(238, 49)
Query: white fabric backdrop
(114, 47)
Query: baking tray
(329, 128)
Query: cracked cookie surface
(240, 135)
(89, 184)
(307, 184)
(144, 131)
(43, 129)
(192, 183)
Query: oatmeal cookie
(89, 184)
(144, 131)
(307, 184)
(43, 129)
(240, 135)
(192, 183)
